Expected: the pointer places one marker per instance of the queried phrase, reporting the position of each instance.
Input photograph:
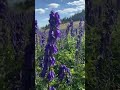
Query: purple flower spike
(51, 47)
(50, 75)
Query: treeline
(75, 17)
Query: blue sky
(65, 8)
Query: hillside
(64, 26)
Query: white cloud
(79, 6)
(53, 5)
(40, 11)
(77, 3)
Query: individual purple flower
(57, 33)
(54, 49)
(50, 76)
(51, 38)
(51, 61)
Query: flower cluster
(51, 75)
(51, 47)
(64, 72)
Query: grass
(64, 26)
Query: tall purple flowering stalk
(51, 48)
(79, 37)
(81, 30)
(70, 25)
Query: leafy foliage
(66, 55)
